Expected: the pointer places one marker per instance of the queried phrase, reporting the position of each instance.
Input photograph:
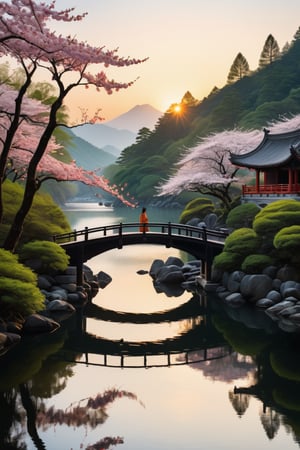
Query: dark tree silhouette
(270, 52)
(239, 69)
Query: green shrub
(198, 207)
(19, 294)
(43, 221)
(275, 216)
(52, 257)
(256, 263)
(227, 261)
(287, 243)
(242, 215)
(243, 241)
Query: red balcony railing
(272, 189)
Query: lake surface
(210, 378)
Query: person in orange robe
(144, 221)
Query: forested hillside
(254, 100)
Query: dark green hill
(251, 102)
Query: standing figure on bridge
(144, 221)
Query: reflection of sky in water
(137, 332)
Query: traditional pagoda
(276, 162)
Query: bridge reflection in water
(197, 343)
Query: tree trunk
(11, 133)
(14, 234)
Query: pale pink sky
(191, 45)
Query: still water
(223, 379)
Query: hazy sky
(191, 45)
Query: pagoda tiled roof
(275, 150)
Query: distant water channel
(210, 378)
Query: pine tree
(269, 53)
(239, 69)
(285, 48)
(297, 35)
(189, 99)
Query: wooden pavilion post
(291, 180)
(257, 180)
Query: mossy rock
(242, 216)
(199, 207)
(243, 241)
(256, 263)
(227, 261)
(52, 256)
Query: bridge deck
(82, 245)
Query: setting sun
(177, 108)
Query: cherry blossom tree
(25, 141)
(206, 168)
(25, 36)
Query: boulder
(60, 305)
(235, 299)
(271, 271)
(170, 290)
(156, 265)
(255, 287)
(211, 220)
(287, 273)
(57, 294)
(36, 323)
(264, 303)
(43, 283)
(275, 309)
(287, 285)
(289, 310)
(103, 279)
(174, 261)
(234, 280)
(193, 222)
(65, 279)
(274, 296)
(88, 273)
(170, 274)
(292, 292)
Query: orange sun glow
(177, 108)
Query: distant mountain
(119, 133)
(102, 135)
(111, 149)
(136, 118)
(87, 155)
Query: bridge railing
(170, 229)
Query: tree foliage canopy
(239, 69)
(270, 52)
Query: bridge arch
(84, 244)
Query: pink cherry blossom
(26, 36)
